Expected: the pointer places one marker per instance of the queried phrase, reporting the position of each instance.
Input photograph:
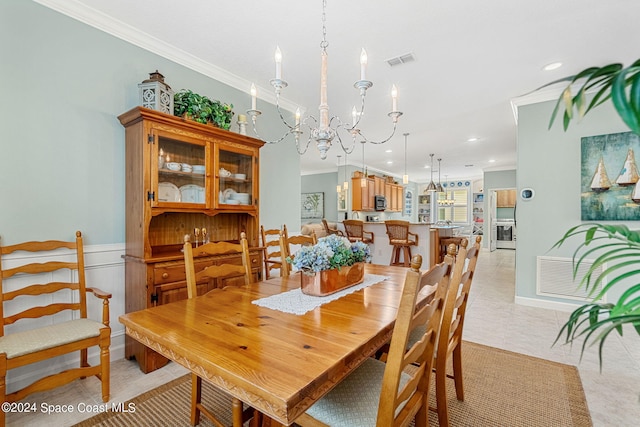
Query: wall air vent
(402, 59)
(555, 278)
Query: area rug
(502, 388)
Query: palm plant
(613, 81)
(617, 248)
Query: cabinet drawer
(173, 271)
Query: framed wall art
(312, 205)
(609, 178)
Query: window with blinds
(453, 205)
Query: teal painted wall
(549, 162)
(62, 148)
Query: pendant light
(439, 188)
(432, 185)
(339, 187)
(363, 180)
(405, 177)
(345, 184)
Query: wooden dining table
(276, 362)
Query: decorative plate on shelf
(167, 192)
(192, 193)
(228, 194)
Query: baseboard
(548, 304)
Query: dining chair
(401, 239)
(445, 242)
(354, 228)
(50, 290)
(285, 248)
(450, 339)
(214, 272)
(396, 392)
(271, 244)
(330, 230)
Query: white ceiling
(471, 59)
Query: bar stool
(355, 231)
(400, 239)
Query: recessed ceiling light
(492, 161)
(389, 151)
(473, 139)
(426, 166)
(389, 162)
(552, 66)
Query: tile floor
(492, 318)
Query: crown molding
(103, 22)
(535, 97)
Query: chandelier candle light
(325, 129)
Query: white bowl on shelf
(240, 176)
(174, 166)
(199, 169)
(232, 202)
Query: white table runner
(295, 302)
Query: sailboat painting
(610, 182)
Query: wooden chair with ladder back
(271, 244)
(57, 288)
(239, 415)
(285, 248)
(394, 393)
(450, 340)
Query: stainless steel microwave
(380, 203)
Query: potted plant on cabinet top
(201, 109)
(615, 247)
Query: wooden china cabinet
(181, 176)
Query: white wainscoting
(104, 269)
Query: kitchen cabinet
(362, 198)
(424, 208)
(505, 198)
(182, 176)
(379, 186)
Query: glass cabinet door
(235, 170)
(178, 171)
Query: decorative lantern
(156, 94)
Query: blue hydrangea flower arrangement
(330, 252)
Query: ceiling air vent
(402, 59)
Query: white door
(493, 234)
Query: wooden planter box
(329, 281)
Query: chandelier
(445, 201)
(324, 130)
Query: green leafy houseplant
(617, 250)
(202, 109)
(615, 246)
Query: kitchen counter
(381, 249)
